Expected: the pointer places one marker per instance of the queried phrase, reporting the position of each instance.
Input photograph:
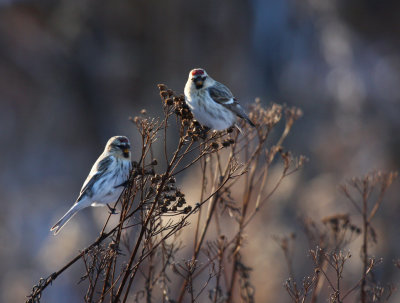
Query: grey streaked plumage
(212, 103)
(222, 95)
(105, 181)
(101, 169)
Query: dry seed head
(172, 197)
(187, 209)
(162, 87)
(214, 145)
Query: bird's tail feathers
(242, 114)
(250, 122)
(69, 214)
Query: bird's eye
(122, 146)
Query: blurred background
(72, 72)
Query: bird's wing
(222, 95)
(100, 167)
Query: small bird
(211, 102)
(106, 181)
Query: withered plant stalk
(147, 255)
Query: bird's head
(119, 146)
(199, 78)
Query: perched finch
(106, 180)
(211, 102)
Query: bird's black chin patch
(125, 154)
(199, 81)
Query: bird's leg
(239, 129)
(203, 132)
(112, 210)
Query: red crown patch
(197, 72)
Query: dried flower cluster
(146, 257)
(142, 258)
(329, 240)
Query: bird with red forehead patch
(212, 103)
(106, 180)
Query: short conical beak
(198, 81)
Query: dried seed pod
(196, 124)
(214, 145)
(226, 143)
(187, 209)
(163, 94)
(162, 87)
(170, 92)
(169, 101)
(154, 162)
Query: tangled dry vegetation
(328, 248)
(137, 259)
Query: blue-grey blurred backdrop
(73, 71)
